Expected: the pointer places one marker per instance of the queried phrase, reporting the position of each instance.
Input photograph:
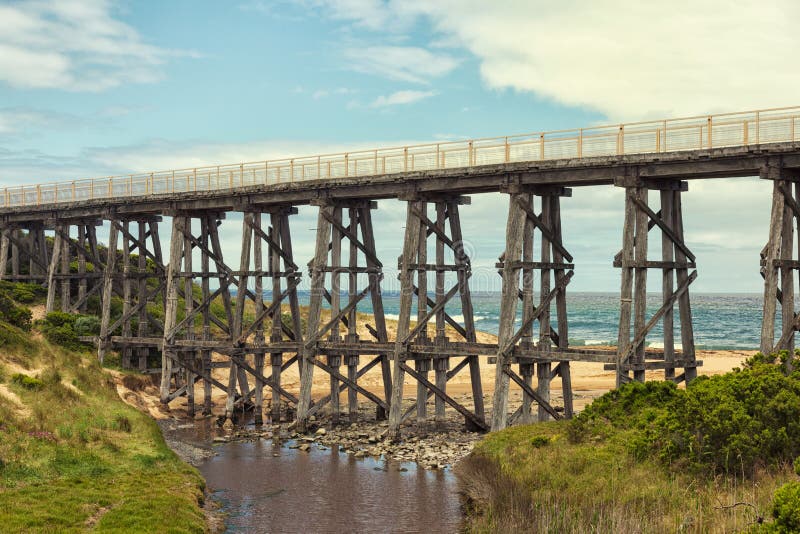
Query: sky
(95, 88)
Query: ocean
(721, 321)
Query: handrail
(659, 136)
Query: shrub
(18, 316)
(786, 507)
(13, 337)
(87, 325)
(730, 423)
(540, 441)
(27, 382)
(21, 294)
(59, 318)
(61, 328)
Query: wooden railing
(668, 135)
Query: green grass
(77, 458)
(516, 481)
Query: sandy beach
(589, 380)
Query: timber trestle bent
(189, 314)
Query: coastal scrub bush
(11, 337)
(27, 382)
(21, 294)
(87, 325)
(63, 329)
(18, 316)
(786, 508)
(732, 423)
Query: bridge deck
(727, 162)
(724, 145)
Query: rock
(220, 439)
(361, 454)
(304, 447)
(227, 425)
(321, 432)
(294, 446)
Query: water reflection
(269, 488)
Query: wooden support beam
(478, 422)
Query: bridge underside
(200, 311)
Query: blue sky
(93, 88)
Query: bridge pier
(434, 353)
(278, 265)
(555, 272)
(76, 289)
(128, 282)
(778, 263)
(675, 264)
(182, 350)
(332, 232)
(30, 248)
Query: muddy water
(268, 487)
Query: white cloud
(628, 60)
(324, 93)
(401, 97)
(76, 45)
(405, 63)
(373, 15)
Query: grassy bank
(649, 458)
(75, 457)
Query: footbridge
(195, 302)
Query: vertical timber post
(108, 286)
(171, 309)
(406, 276)
(317, 268)
(508, 304)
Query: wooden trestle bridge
(532, 172)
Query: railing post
(621, 140)
(405, 158)
(266, 172)
(541, 146)
(664, 147)
(375, 162)
(55, 192)
(470, 154)
(758, 127)
(241, 174)
(319, 164)
(110, 188)
(710, 137)
(346, 164)
(437, 155)
(507, 150)
(580, 143)
(38, 195)
(745, 133)
(73, 190)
